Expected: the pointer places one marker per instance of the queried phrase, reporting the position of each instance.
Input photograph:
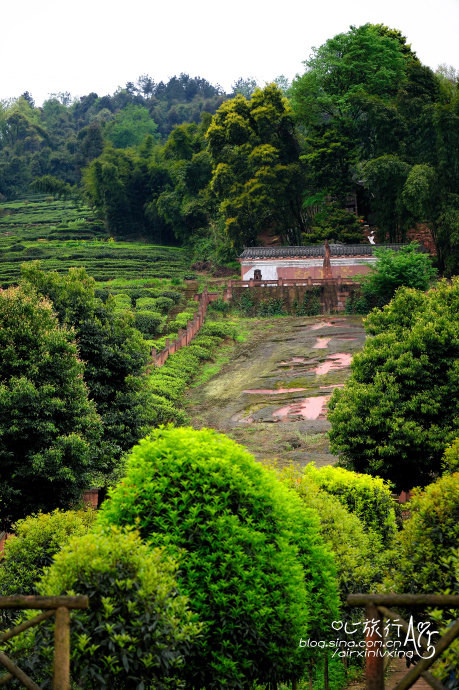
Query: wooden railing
(376, 610)
(53, 606)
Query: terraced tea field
(61, 235)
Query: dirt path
(272, 396)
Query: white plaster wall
(268, 267)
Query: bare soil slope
(272, 396)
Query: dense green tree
(130, 126)
(48, 427)
(406, 267)
(113, 352)
(384, 178)
(398, 411)
(257, 175)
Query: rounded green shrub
(137, 629)
(146, 304)
(218, 328)
(428, 537)
(368, 497)
(164, 304)
(147, 322)
(356, 551)
(251, 558)
(122, 300)
(171, 294)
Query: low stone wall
(185, 335)
(332, 294)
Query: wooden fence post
(61, 678)
(374, 666)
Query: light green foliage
(257, 175)
(398, 410)
(430, 535)
(451, 457)
(164, 304)
(48, 426)
(36, 539)
(137, 629)
(355, 548)
(130, 126)
(122, 301)
(253, 565)
(428, 557)
(405, 267)
(367, 497)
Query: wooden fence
(53, 606)
(376, 610)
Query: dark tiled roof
(314, 250)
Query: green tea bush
(164, 411)
(199, 351)
(148, 322)
(220, 306)
(122, 300)
(209, 341)
(171, 294)
(146, 304)
(251, 559)
(137, 629)
(218, 328)
(181, 320)
(164, 304)
(368, 497)
(169, 387)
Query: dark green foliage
(171, 294)
(330, 222)
(49, 429)
(114, 353)
(257, 176)
(252, 564)
(367, 497)
(147, 322)
(398, 410)
(310, 305)
(164, 304)
(137, 629)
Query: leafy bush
(146, 304)
(220, 305)
(368, 497)
(164, 304)
(354, 548)
(428, 557)
(271, 307)
(137, 629)
(218, 328)
(209, 341)
(253, 565)
(147, 322)
(310, 305)
(451, 457)
(171, 294)
(199, 351)
(398, 409)
(122, 300)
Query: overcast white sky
(47, 46)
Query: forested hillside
(366, 134)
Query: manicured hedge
(251, 558)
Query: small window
(257, 274)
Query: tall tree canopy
(49, 428)
(257, 176)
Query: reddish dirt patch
(270, 391)
(321, 343)
(324, 324)
(309, 408)
(340, 360)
